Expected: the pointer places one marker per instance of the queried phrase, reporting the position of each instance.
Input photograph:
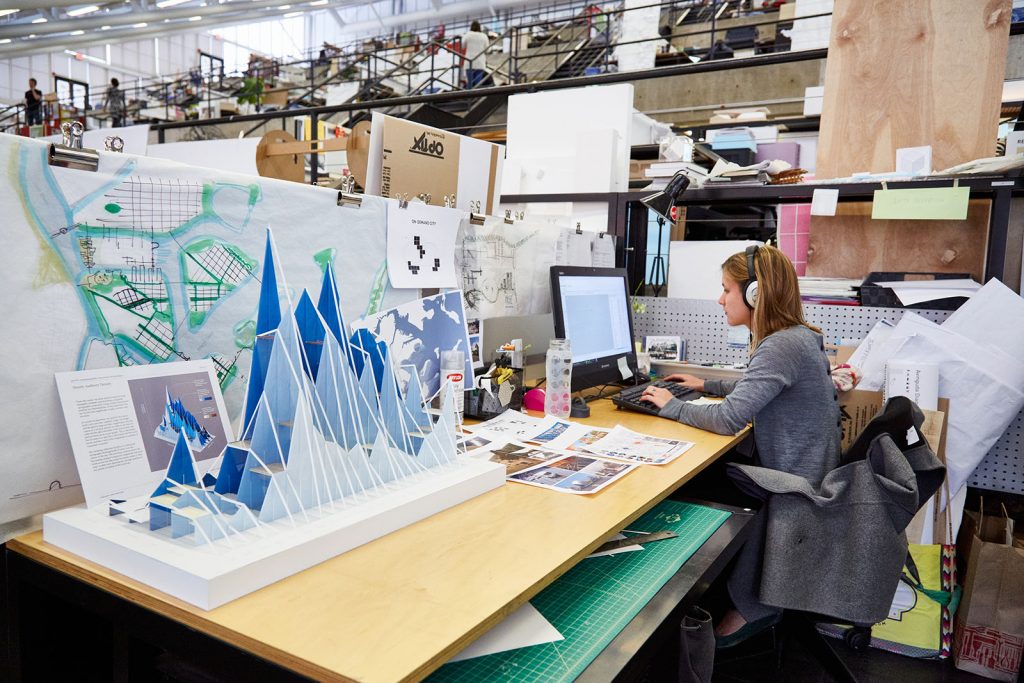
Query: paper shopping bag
(989, 633)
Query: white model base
(213, 574)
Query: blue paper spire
(180, 470)
(269, 315)
(268, 319)
(363, 339)
(329, 305)
(311, 334)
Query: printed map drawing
(417, 332)
(147, 261)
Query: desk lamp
(662, 201)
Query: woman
(786, 392)
(475, 44)
(114, 103)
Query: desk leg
(10, 666)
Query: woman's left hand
(657, 396)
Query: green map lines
(167, 206)
(211, 269)
(136, 313)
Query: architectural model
(332, 454)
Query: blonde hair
(778, 292)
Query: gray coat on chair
(839, 549)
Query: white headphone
(750, 284)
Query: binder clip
(424, 197)
(600, 235)
(508, 216)
(71, 154)
(113, 143)
(579, 228)
(403, 203)
(477, 218)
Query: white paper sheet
(574, 248)
(695, 268)
(864, 357)
(603, 251)
(910, 297)
(120, 429)
(625, 444)
(233, 155)
(523, 628)
(993, 318)
(505, 269)
(824, 201)
(577, 437)
(421, 245)
(917, 381)
(515, 425)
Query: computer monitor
(590, 307)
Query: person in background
(114, 103)
(786, 392)
(475, 43)
(33, 104)
(666, 46)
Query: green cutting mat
(592, 602)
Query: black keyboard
(629, 398)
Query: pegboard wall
(702, 324)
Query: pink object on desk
(534, 400)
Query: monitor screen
(590, 307)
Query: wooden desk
(399, 607)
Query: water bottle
(558, 393)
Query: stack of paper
(829, 290)
(667, 169)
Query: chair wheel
(858, 637)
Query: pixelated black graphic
(415, 270)
(419, 247)
(437, 265)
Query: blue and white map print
(417, 332)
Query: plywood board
(852, 245)
(905, 74)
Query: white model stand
(207, 576)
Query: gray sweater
(787, 392)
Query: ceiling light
(76, 33)
(283, 7)
(105, 28)
(141, 24)
(5, 41)
(40, 20)
(318, 3)
(292, 14)
(5, 12)
(169, 3)
(195, 18)
(82, 10)
(31, 35)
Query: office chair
(837, 549)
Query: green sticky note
(924, 204)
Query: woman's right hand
(688, 381)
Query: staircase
(580, 60)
